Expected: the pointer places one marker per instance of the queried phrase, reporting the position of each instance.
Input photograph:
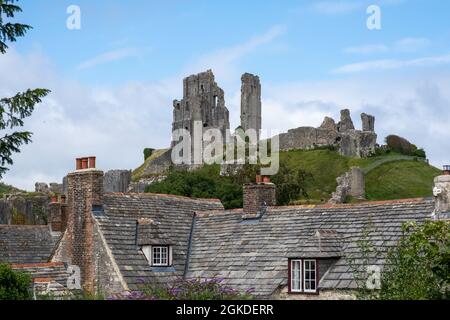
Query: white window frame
(149, 254)
(300, 273)
(310, 280)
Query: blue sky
(114, 79)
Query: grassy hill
(310, 177)
(7, 189)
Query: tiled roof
(46, 276)
(254, 253)
(173, 216)
(26, 244)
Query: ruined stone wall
(251, 103)
(25, 210)
(204, 101)
(343, 135)
(116, 181)
(352, 183)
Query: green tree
(14, 285)
(419, 267)
(15, 109)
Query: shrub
(14, 285)
(203, 183)
(148, 152)
(420, 153)
(419, 267)
(403, 146)
(186, 289)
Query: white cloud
(367, 49)
(415, 107)
(390, 64)
(225, 61)
(107, 57)
(113, 123)
(411, 44)
(401, 46)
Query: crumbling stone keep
(203, 100)
(251, 103)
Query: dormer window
(155, 244)
(303, 276)
(158, 255)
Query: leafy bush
(291, 184)
(203, 183)
(148, 152)
(14, 285)
(419, 267)
(182, 289)
(420, 153)
(403, 146)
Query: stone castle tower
(251, 103)
(203, 100)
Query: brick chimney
(84, 190)
(257, 196)
(58, 214)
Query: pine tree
(14, 110)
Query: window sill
(163, 269)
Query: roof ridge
(352, 205)
(148, 194)
(25, 226)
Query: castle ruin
(203, 100)
(251, 103)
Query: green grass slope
(388, 177)
(399, 180)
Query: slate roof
(47, 276)
(27, 244)
(254, 253)
(173, 216)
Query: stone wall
(116, 181)
(322, 295)
(251, 103)
(24, 210)
(256, 196)
(352, 183)
(108, 279)
(349, 142)
(203, 100)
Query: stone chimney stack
(251, 103)
(441, 194)
(84, 191)
(258, 196)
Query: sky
(114, 79)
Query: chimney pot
(266, 179)
(63, 199)
(78, 162)
(84, 163)
(54, 199)
(258, 178)
(92, 162)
